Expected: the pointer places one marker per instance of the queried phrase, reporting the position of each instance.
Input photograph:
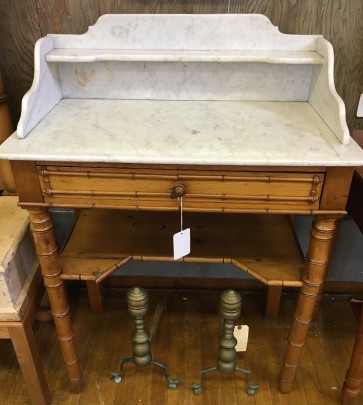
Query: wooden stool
(21, 289)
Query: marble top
(185, 71)
(184, 132)
(161, 55)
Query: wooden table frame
(329, 208)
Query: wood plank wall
(22, 22)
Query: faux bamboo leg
(42, 228)
(320, 296)
(321, 237)
(354, 377)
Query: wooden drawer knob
(178, 191)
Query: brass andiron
(229, 310)
(138, 305)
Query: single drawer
(202, 190)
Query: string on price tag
(181, 240)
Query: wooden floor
(187, 340)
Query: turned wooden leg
(354, 377)
(42, 228)
(318, 256)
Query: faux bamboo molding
(178, 177)
(92, 246)
(218, 192)
(297, 282)
(70, 269)
(101, 275)
(138, 194)
(86, 205)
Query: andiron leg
(230, 310)
(138, 303)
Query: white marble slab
(186, 81)
(182, 57)
(185, 32)
(45, 91)
(323, 96)
(184, 132)
(170, 55)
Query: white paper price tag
(241, 334)
(181, 242)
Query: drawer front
(202, 190)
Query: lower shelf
(264, 246)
